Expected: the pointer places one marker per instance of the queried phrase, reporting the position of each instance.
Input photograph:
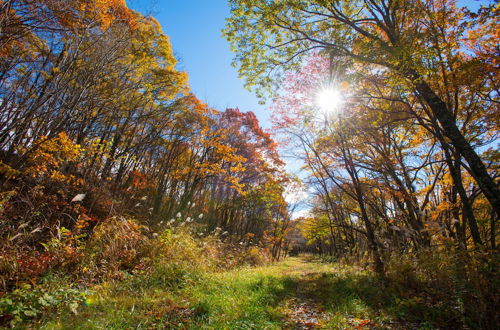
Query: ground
(297, 293)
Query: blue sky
(194, 28)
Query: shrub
(459, 287)
(255, 256)
(26, 303)
(116, 244)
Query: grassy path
(297, 293)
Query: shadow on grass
(366, 295)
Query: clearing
(297, 293)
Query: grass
(246, 298)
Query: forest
(128, 202)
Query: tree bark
(447, 121)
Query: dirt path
(304, 310)
(305, 314)
(307, 307)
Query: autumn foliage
(108, 163)
(113, 171)
(406, 168)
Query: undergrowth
(120, 254)
(196, 294)
(262, 297)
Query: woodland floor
(297, 293)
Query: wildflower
(192, 205)
(188, 219)
(200, 216)
(171, 222)
(155, 235)
(224, 233)
(179, 214)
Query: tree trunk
(445, 117)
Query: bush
(255, 256)
(26, 303)
(450, 288)
(116, 244)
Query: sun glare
(329, 99)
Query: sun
(329, 99)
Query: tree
(419, 44)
